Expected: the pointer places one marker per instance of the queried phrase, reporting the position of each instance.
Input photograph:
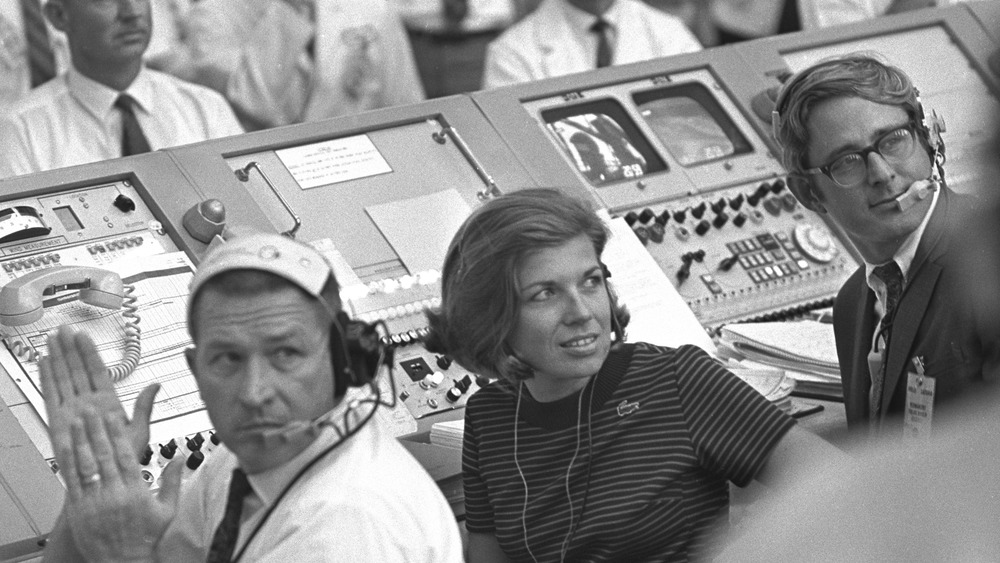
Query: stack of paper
(448, 434)
(806, 349)
(770, 382)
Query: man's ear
(55, 11)
(806, 193)
(189, 354)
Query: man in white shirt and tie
(97, 109)
(568, 36)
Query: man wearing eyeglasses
(859, 147)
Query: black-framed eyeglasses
(851, 169)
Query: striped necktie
(133, 140)
(41, 60)
(603, 29)
(892, 276)
(224, 540)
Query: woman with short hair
(587, 447)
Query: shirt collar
(562, 413)
(99, 100)
(269, 484)
(906, 252)
(581, 20)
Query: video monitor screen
(692, 125)
(602, 141)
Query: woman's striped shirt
(668, 429)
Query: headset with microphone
(357, 352)
(356, 349)
(929, 127)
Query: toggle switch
(444, 362)
(736, 202)
(656, 233)
(147, 455)
(719, 205)
(727, 263)
(642, 234)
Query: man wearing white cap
(303, 474)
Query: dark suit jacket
(934, 319)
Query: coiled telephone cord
(133, 350)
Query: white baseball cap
(294, 261)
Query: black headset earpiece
(356, 348)
(616, 326)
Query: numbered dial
(815, 243)
(21, 222)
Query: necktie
(224, 540)
(40, 58)
(603, 29)
(133, 141)
(892, 276)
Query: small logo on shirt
(626, 408)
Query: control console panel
(426, 383)
(749, 252)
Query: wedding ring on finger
(91, 479)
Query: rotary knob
(702, 227)
(815, 243)
(124, 203)
(194, 460)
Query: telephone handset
(21, 299)
(21, 304)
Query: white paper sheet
(330, 162)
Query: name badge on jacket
(919, 403)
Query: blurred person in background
(107, 104)
(569, 36)
(826, 13)
(290, 61)
(32, 52)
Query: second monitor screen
(602, 141)
(691, 124)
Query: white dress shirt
(367, 500)
(72, 120)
